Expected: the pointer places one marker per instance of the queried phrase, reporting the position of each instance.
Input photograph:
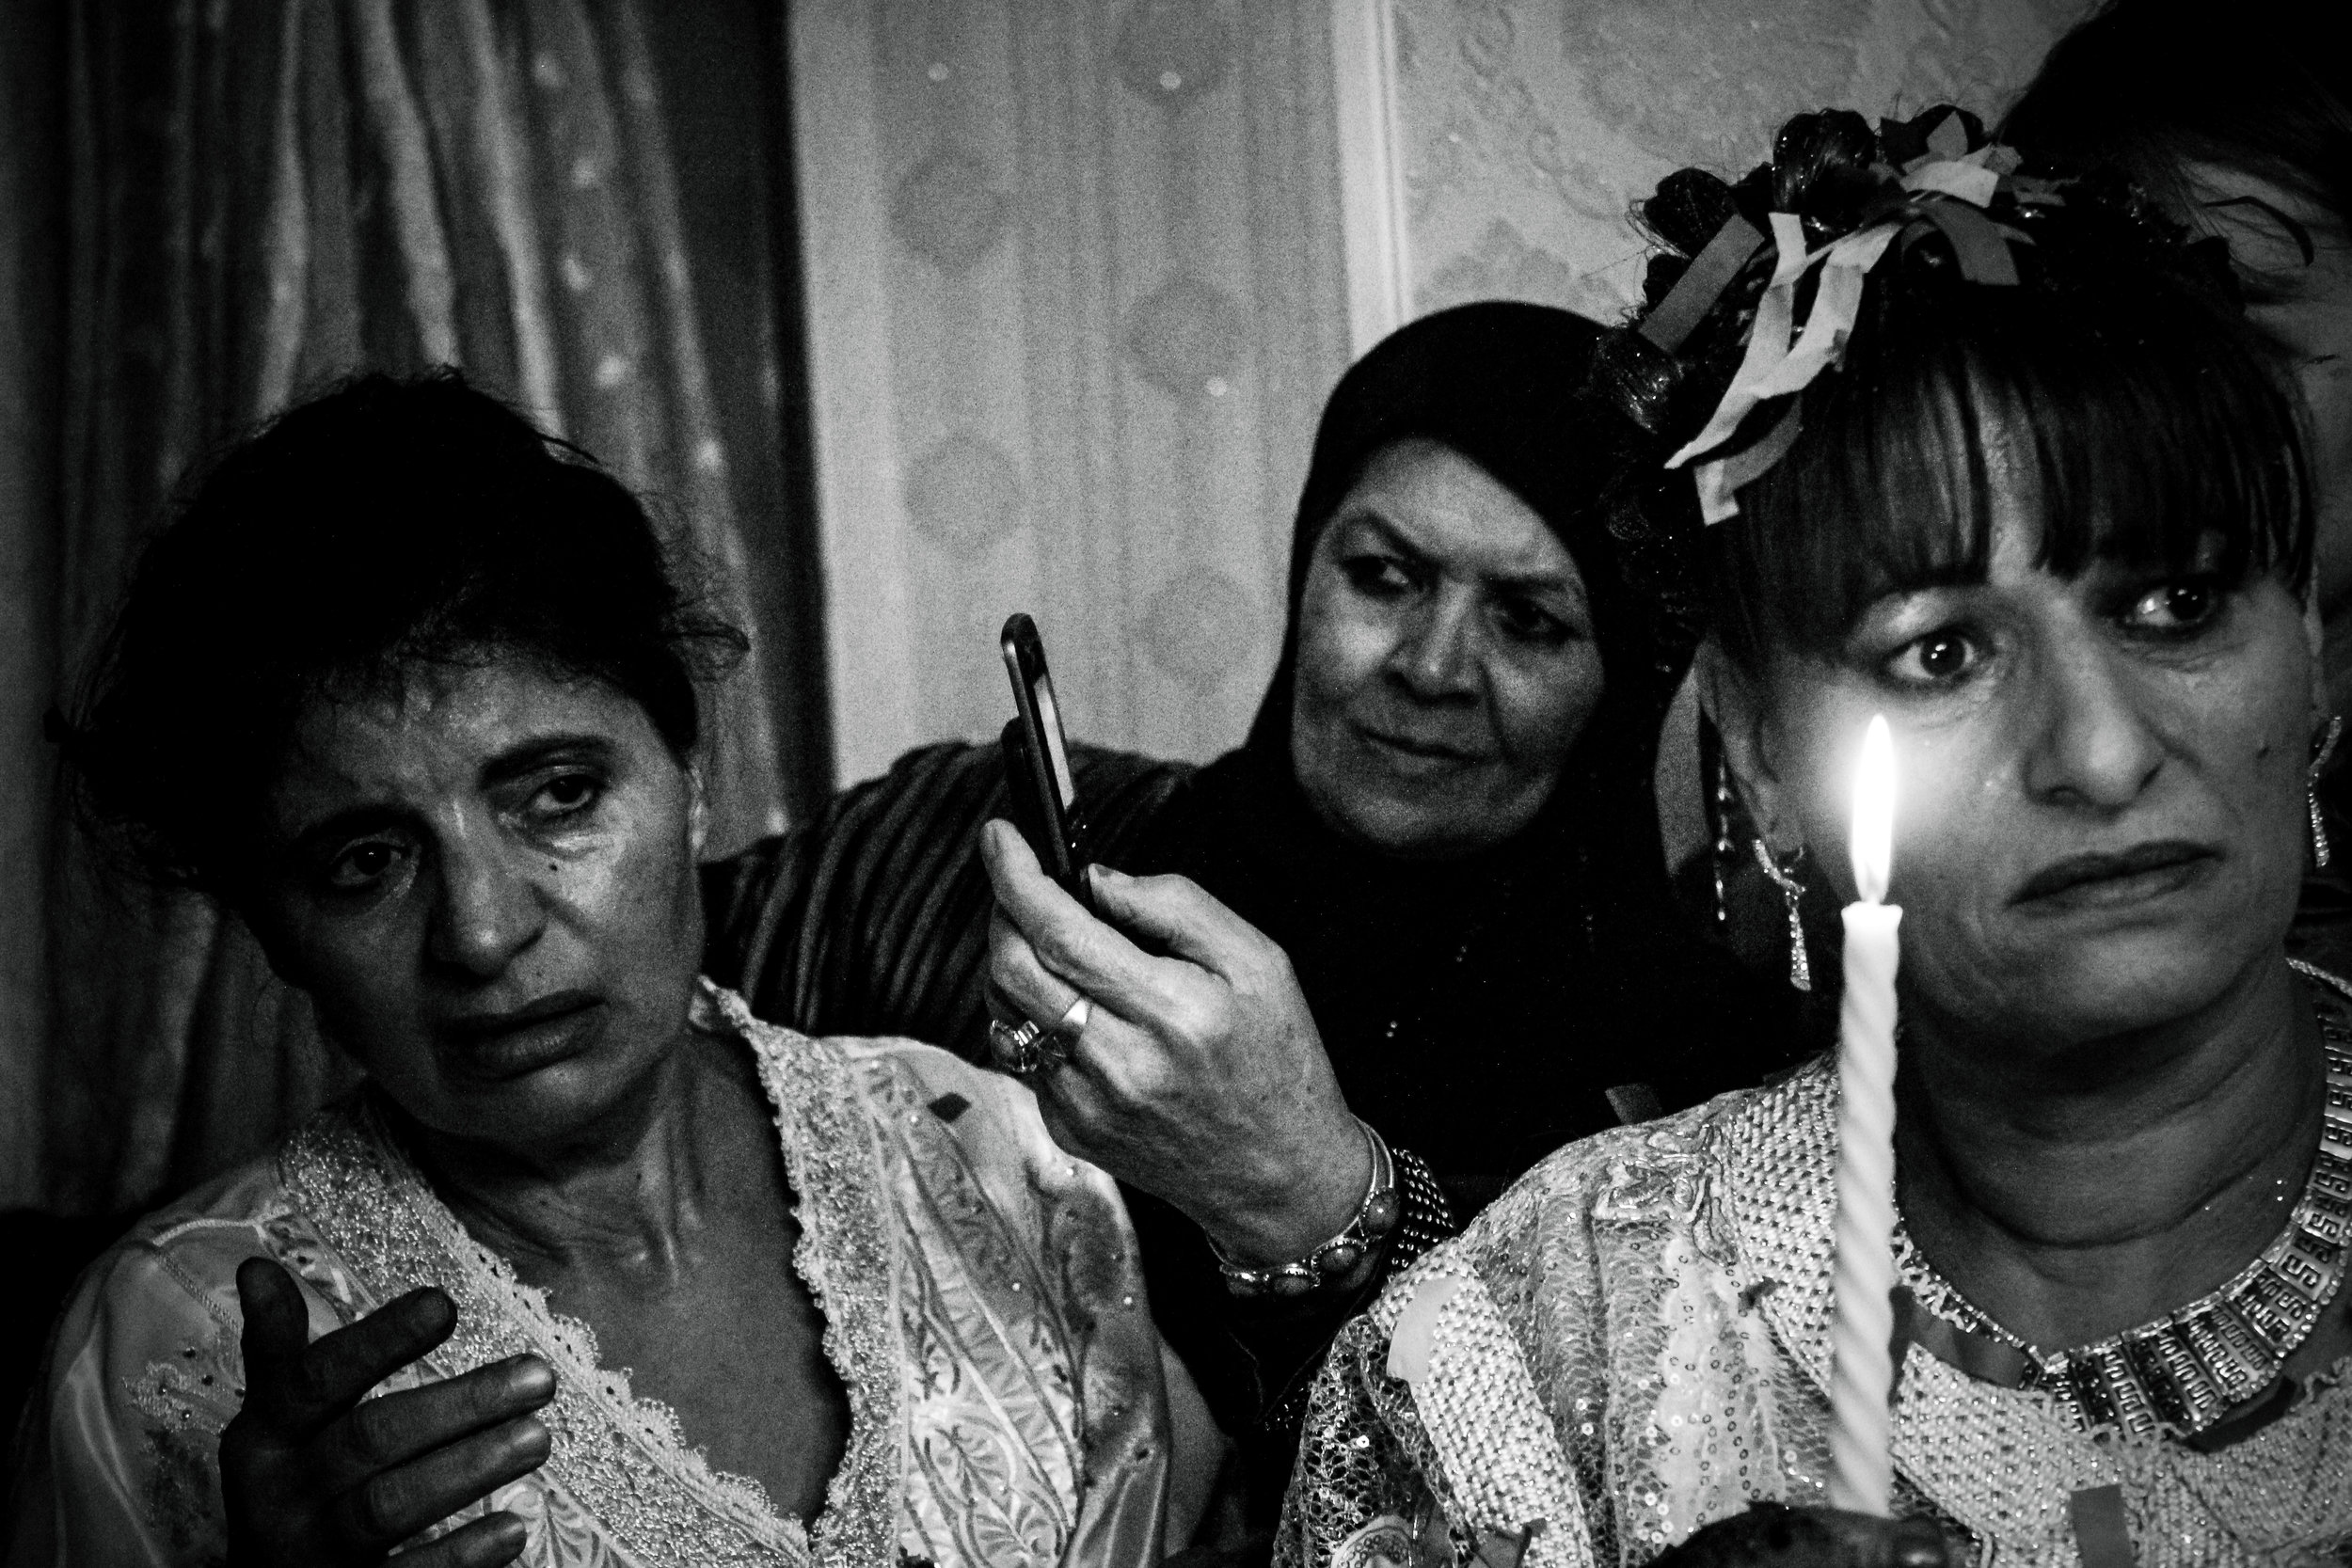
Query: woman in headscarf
(1443, 821)
(1443, 813)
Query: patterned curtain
(268, 194)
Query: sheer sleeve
(1355, 1495)
(120, 1447)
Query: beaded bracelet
(1375, 1218)
(1428, 1219)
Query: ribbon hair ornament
(1945, 191)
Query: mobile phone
(1037, 764)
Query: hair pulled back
(2154, 86)
(2113, 388)
(385, 524)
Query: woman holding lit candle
(1989, 454)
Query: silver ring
(1059, 1043)
(1016, 1045)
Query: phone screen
(1049, 719)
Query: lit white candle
(1862, 1375)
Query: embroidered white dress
(983, 1303)
(1633, 1342)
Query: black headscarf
(1478, 1010)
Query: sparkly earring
(2322, 749)
(1723, 849)
(1791, 893)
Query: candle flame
(1873, 842)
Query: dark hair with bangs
(2115, 390)
(385, 524)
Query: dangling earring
(1719, 800)
(2322, 749)
(1791, 893)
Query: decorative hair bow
(1945, 190)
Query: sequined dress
(1633, 1342)
(983, 1307)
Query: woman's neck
(631, 1192)
(2074, 1194)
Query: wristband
(1375, 1219)
(1428, 1218)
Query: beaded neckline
(2187, 1371)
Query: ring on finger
(1073, 1021)
(1060, 1042)
(1016, 1045)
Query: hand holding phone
(1045, 804)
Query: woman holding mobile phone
(1441, 828)
(1415, 932)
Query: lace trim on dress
(845, 1256)
(624, 1458)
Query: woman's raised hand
(1199, 1076)
(311, 1473)
(1770, 1536)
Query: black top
(1477, 1012)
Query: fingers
(380, 1434)
(1128, 1061)
(1068, 942)
(483, 1542)
(1019, 980)
(1771, 1533)
(276, 1328)
(1872, 1541)
(1918, 1544)
(340, 1366)
(1178, 914)
(1072, 1106)
(397, 1503)
(296, 1385)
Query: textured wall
(1078, 287)
(1528, 126)
(1077, 293)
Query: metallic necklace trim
(2183, 1372)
